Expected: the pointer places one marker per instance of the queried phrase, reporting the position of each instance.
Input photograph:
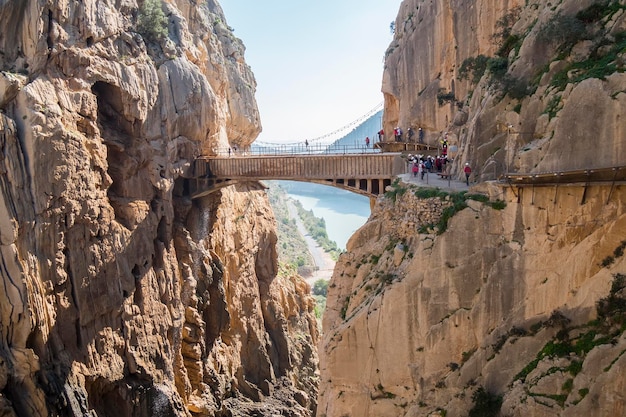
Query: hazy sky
(318, 64)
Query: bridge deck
(367, 173)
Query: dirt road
(323, 261)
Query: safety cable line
(327, 135)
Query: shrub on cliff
(563, 30)
(612, 309)
(473, 68)
(486, 404)
(151, 21)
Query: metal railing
(295, 149)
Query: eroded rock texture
(120, 295)
(417, 322)
(521, 86)
(512, 312)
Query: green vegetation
(317, 229)
(609, 326)
(503, 36)
(473, 68)
(292, 248)
(387, 278)
(465, 356)
(553, 106)
(151, 21)
(320, 287)
(486, 404)
(497, 67)
(320, 306)
(566, 31)
(424, 193)
(385, 394)
(612, 309)
(397, 189)
(390, 50)
(617, 253)
(457, 203)
(559, 398)
(563, 30)
(510, 43)
(600, 10)
(568, 385)
(344, 307)
(443, 97)
(602, 62)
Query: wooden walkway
(596, 175)
(613, 176)
(366, 173)
(405, 147)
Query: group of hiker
(420, 165)
(423, 164)
(410, 134)
(397, 134)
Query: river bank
(324, 263)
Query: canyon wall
(417, 321)
(120, 294)
(515, 86)
(514, 310)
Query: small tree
(151, 22)
(320, 287)
(486, 404)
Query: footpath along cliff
(120, 295)
(508, 301)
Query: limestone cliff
(416, 322)
(120, 295)
(513, 311)
(522, 86)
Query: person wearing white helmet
(467, 171)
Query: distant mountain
(351, 142)
(356, 137)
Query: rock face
(120, 295)
(417, 322)
(522, 86)
(516, 311)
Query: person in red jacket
(467, 171)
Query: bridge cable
(356, 122)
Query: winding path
(323, 261)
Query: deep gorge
(123, 296)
